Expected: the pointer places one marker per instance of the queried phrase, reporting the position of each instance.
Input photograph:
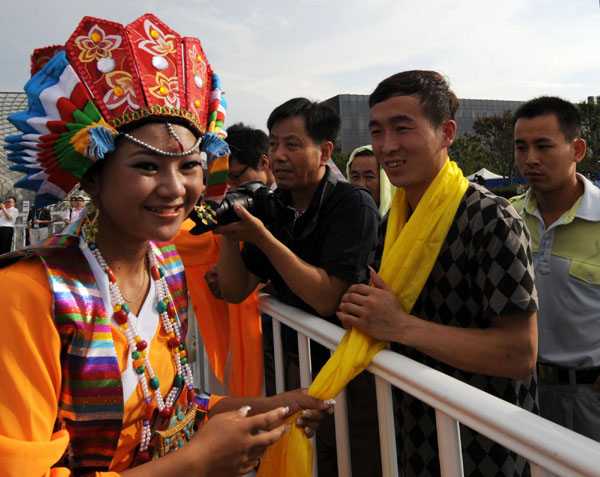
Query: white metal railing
(21, 225)
(550, 448)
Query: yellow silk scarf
(410, 251)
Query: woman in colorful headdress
(95, 373)
(363, 169)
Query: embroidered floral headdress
(105, 79)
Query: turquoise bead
(178, 382)
(140, 370)
(181, 347)
(161, 270)
(154, 384)
(183, 361)
(161, 306)
(135, 354)
(125, 308)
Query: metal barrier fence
(552, 450)
(21, 226)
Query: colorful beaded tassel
(170, 321)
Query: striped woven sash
(91, 397)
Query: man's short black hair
(322, 121)
(569, 119)
(438, 101)
(247, 144)
(12, 197)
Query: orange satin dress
(225, 328)
(31, 376)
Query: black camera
(254, 196)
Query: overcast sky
(269, 51)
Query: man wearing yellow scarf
(472, 314)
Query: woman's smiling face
(145, 196)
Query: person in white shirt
(8, 219)
(74, 212)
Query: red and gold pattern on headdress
(41, 56)
(157, 51)
(199, 76)
(121, 75)
(100, 53)
(138, 71)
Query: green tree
(467, 152)
(590, 121)
(495, 135)
(340, 159)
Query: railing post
(194, 347)
(342, 434)
(448, 434)
(556, 451)
(387, 431)
(304, 357)
(305, 382)
(278, 356)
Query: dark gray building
(354, 111)
(471, 109)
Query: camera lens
(225, 214)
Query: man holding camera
(320, 242)
(231, 332)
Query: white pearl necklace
(162, 152)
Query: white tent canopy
(485, 174)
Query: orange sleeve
(197, 250)
(226, 328)
(246, 348)
(214, 399)
(30, 375)
(198, 253)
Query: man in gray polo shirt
(562, 212)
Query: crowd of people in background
(38, 221)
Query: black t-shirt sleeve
(256, 262)
(350, 243)
(347, 240)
